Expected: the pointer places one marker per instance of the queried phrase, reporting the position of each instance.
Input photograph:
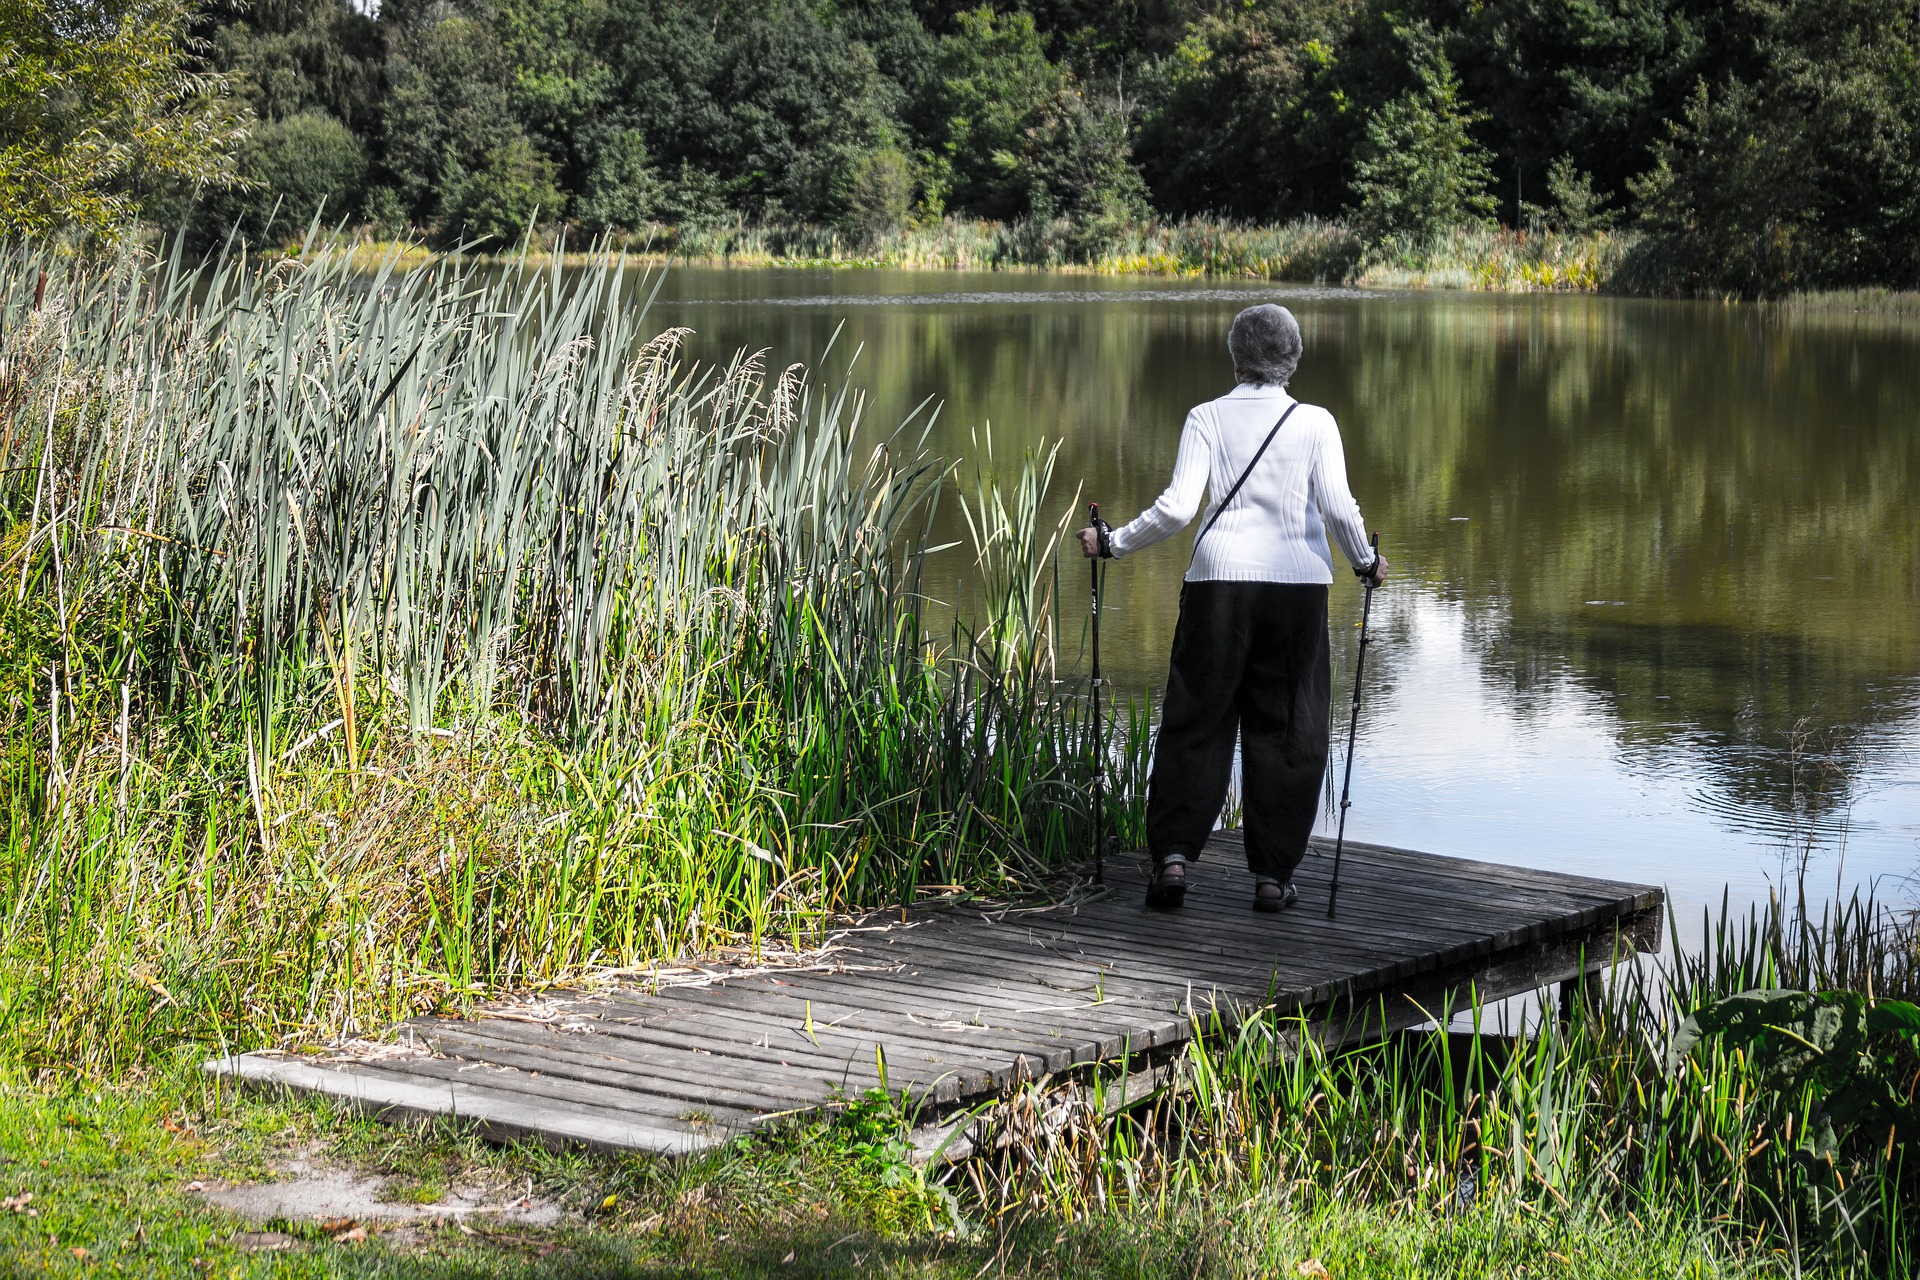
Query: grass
(109, 1171)
(371, 643)
(1566, 1150)
(1309, 249)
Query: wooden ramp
(951, 1004)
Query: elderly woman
(1250, 650)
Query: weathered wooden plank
(502, 1117)
(1009, 1049)
(753, 1026)
(544, 1085)
(1282, 938)
(1095, 1031)
(1104, 1026)
(683, 1078)
(847, 1061)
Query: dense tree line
(1756, 145)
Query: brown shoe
(1168, 888)
(1270, 895)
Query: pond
(1656, 607)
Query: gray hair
(1265, 345)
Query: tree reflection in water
(1636, 543)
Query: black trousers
(1251, 658)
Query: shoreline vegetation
(1309, 252)
(373, 647)
(1306, 251)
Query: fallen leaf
(334, 1226)
(17, 1203)
(354, 1236)
(1313, 1268)
(609, 1202)
(196, 1186)
(788, 1258)
(1560, 1258)
(79, 1253)
(466, 1230)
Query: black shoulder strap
(1235, 491)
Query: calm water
(1641, 549)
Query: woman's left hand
(1089, 542)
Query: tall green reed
(381, 638)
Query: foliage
(1799, 167)
(1853, 1058)
(1590, 80)
(879, 194)
(436, 632)
(623, 189)
(499, 199)
(1420, 172)
(1752, 148)
(108, 1172)
(101, 104)
(992, 87)
(1584, 1118)
(298, 57)
(1251, 117)
(1582, 1148)
(1577, 209)
(296, 169)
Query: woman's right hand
(1378, 578)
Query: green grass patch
(108, 1173)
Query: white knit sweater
(1276, 530)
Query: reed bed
(1305, 250)
(1308, 249)
(1577, 1132)
(374, 641)
(1500, 260)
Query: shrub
(623, 189)
(1420, 172)
(496, 203)
(306, 166)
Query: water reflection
(1638, 544)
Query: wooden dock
(949, 1005)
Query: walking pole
(1099, 723)
(1353, 728)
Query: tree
(307, 165)
(100, 107)
(1252, 117)
(293, 57)
(804, 107)
(1801, 171)
(993, 86)
(498, 199)
(1594, 80)
(1420, 172)
(461, 163)
(623, 189)
(1012, 133)
(1577, 209)
(879, 195)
